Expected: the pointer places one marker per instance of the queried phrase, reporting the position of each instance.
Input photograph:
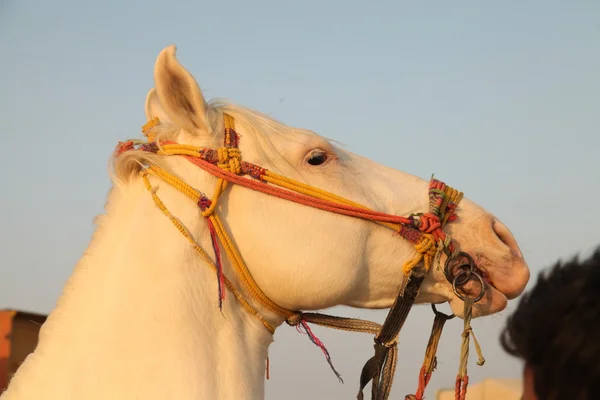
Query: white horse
(139, 317)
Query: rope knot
(204, 203)
(432, 224)
(294, 319)
(230, 159)
(467, 331)
(429, 223)
(253, 170)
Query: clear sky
(499, 100)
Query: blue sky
(500, 100)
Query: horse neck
(139, 317)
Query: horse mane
(255, 123)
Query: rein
(423, 230)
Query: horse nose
(505, 236)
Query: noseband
(423, 230)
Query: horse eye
(317, 158)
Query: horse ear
(153, 108)
(178, 95)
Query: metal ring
(448, 317)
(449, 260)
(481, 282)
(461, 282)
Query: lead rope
(462, 379)
(423, 230)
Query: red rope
(123, 147)
(460, 388)
(424, 379)
(298, 197)
(407, 228)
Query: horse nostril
(506, 237)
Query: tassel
(220, 276)
(204, 203)
(302, 323)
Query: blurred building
(18, 337)
(488, 389)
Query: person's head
(555, 330)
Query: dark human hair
(555, 330)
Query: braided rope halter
(423, 230)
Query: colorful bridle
(423, 230)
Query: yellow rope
(426, 250)
(172, 180)
(149, 125)
(179, 149)
(232, 253)
(303, 188)
(242, 269)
